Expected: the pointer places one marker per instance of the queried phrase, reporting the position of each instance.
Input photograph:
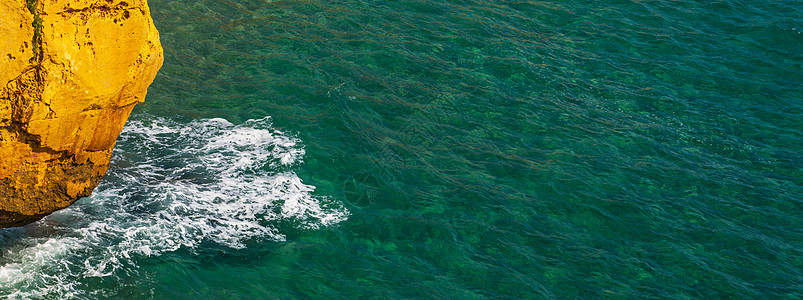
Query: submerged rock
(71, 71)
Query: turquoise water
(450, 149)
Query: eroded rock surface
(70, 74)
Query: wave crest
(170, 186)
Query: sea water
(446, 149)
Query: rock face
(71, 71)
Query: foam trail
(170, 186)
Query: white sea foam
(171, 186)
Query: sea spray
(170, 186)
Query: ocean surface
(454, 149)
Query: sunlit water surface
(446, 149)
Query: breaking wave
(170, 186)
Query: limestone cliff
(71, 71)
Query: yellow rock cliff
(70, 74)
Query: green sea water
(456, 149)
